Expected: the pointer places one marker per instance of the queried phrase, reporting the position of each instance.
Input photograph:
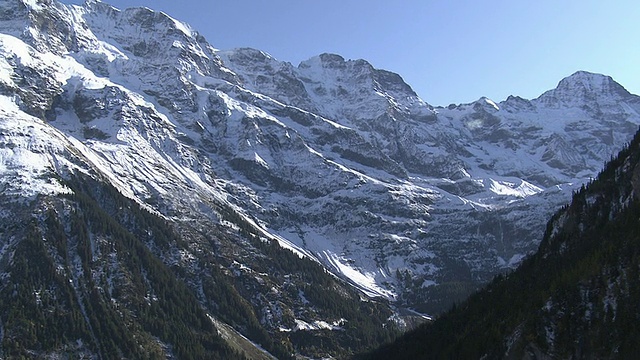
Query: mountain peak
(97, 5)
(592, 82)
(585, 86)
(329, 57)
(247, 54)
(486, 103)
(334, 61)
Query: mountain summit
(583, 88)
(132, 116)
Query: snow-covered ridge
(337, 160)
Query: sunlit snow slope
(335, 159)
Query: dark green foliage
(577, 297)
(95, 288)
(35, 299)
(229, 298)
(222, 298)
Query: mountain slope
(338, 161)
(74, 269)
(577, 297)
(115, 274)
(471, 185)
(74, 138)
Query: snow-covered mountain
(448, 195)
(340, 162)
(576, 297)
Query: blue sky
(448, 51)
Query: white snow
(6, 70)
(519, 189)
(14, 47)
(186, 29)
(474, 124)
(260, 160)
(428, 283)
(33, 4)
(490, 102)
(512, 262)
(302, 325)
(28, 152)
(363, 280)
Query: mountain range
(306, 196)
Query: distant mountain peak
(335, 61)
(586, 76)
(584, 86)
(329, 57)
(246, 55)
(91, 4)
(591, 82)
(486, 103)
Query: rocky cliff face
(337, 160)
(576, 297)
(469, 185)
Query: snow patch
(260, 161)
(490, 102)
(33, 4)
(28, 153)
(427, 283)
(363, 280)
(184, 28)
(514, 261)
(302, 325)
(520, 188)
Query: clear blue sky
(449, 51)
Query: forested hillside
(89, 275)
(75, 269)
